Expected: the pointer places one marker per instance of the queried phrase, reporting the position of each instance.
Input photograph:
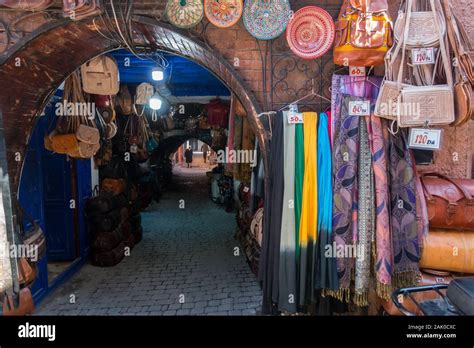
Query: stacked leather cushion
(111, 232)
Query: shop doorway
(37, 101)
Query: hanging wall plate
(223, 13)
(184, 13)
(266, 19)
(310, 33)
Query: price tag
(425, 139)
(355, 71)
(295, 117)
(359, 108)
(423, 56)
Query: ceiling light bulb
(155, 102)
(157, 74)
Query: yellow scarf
(309, 211)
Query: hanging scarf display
(383, 244)
(309, 211)
(269, 262)
(406, 249)
(287, 268)
(345, 193)
(327, 271)
(365, 218)
(299, 177)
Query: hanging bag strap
(442, 46)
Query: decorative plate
(266, 19)
(184, 13)
(223, 13)
(310, 33)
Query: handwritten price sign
(356, 71)
(295, 118)
(359, 108)
(425, 139)
(423, 56)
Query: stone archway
(37, 65)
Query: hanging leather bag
(363, 33)
(447, 250)
(144, 92)
(217, 113)
(416, 106)
(450, 202)
(27, 272)
(100, 76)
(114, 186)
(33, 238)
(18, 304)
(463, 89)
(125, 100)
(422, 28)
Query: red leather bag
(450, 202)
(217, 113)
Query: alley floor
(185, 264)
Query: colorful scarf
(287, 270)
(309, 210)
(327, 269)
(383, 239)
(299, 178)
(366, 217)
(346, 148)
(270, 254)
(406, 249)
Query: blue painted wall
(45, 193)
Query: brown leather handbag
(446, 250)
(27, 272)
(24, 306)
(450, 202)
(462, 64)
(363, 33)
(115, 186)
(427, 277)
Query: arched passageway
(37, 65)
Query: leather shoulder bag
(450, 202)
(416, 106)
(363, 33)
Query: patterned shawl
(383, 239)
(346, 149)
(406, 249)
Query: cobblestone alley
(186, 255)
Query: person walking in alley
(188, 155)
(205, 152)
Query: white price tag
(357, 71)
(423, 56)
(359, 108)
(295, 118)
(425, 139)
